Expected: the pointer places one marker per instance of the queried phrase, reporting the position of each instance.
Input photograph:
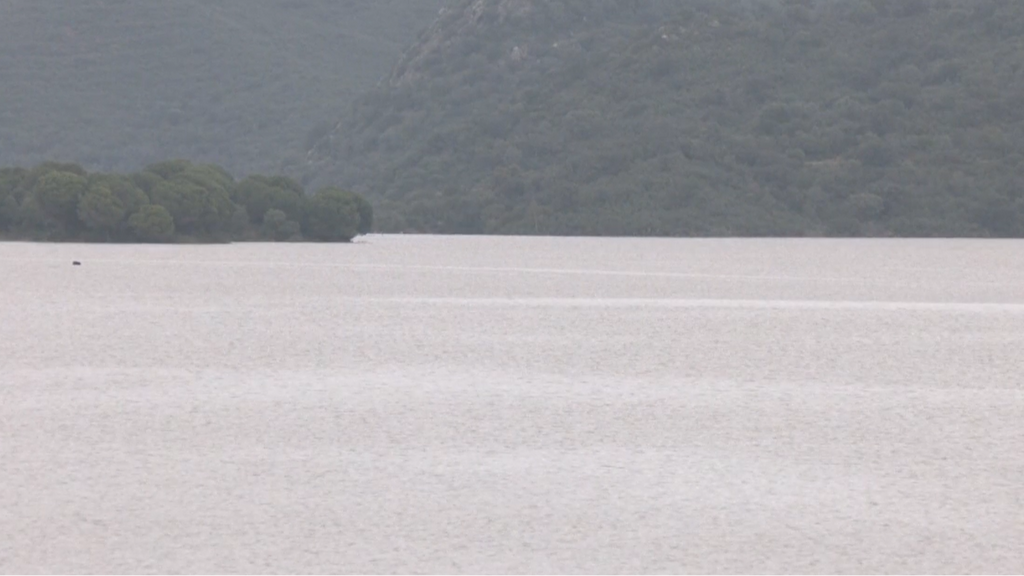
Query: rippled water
(433, 404)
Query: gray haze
(241, 83)
(433, 404)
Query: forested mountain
(697, 117)
(118, 84)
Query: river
(429, 404)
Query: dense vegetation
(174, 201)
(118, 84)
(699, 117)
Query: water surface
(438, 404)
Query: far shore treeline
(173, 201)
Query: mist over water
(469, 404)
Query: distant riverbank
(172, 202)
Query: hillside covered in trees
(173, 201)
(119, 84)
(697, 117)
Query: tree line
(172, 201)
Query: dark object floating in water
(76, 263)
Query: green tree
(152, 223)
(8, 212)
(195, 209)
(182, 200)
(333, 215)
(33, 222)
(124, 189)
(100, 210)
(209, 177)
(169, 168)
(259, 194)
(365, 215)
(10, 180)
(277, 226)
(240, 225)
(146, 181)
(193, 204)
(45, 168)
(10, 188)
(58, 194)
